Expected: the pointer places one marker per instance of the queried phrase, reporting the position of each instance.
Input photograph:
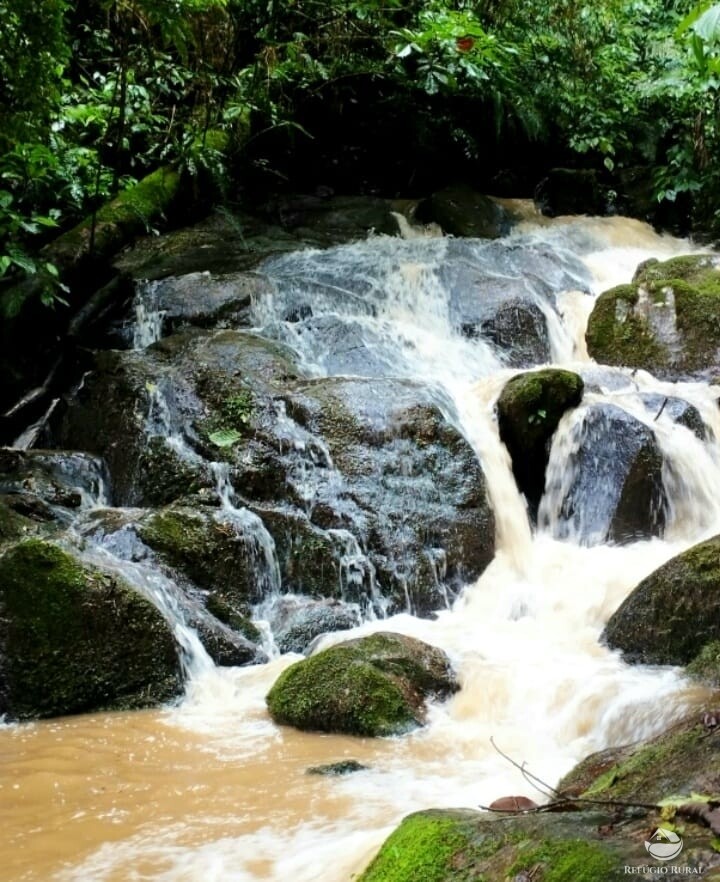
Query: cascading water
(220, 793)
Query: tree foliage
(94, 95)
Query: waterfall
(524, 638)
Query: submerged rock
(679, 411)
(674, 612)
(334, 770)
(610, 487)
(374, 685)
(666, 321)
(529, 409)
(74, 639)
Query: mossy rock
(674, 612)
(683, 760)
(529, 409)
(705, 667)
(373, 686)
(460, 845)
(74, 639)
(224, 612)
(211, 549)
(666, 321)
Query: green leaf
(225, 437)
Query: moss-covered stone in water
(420, 850)
(617, 335)
(681, 760)
(667, 320)
(229, 616)
(673, 612)
(73, 639)
(456, 845)
(371, 686)
(529, 409)
(211, 552)
(705, 667)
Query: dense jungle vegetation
(392, 97)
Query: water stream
(211, 790)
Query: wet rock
(462, 211)
(571, 191)
(298, 621)
(674, 612)
(529, 409)
(588, 770)
(220, 243)
(334, 770)
(58, 479)
(374, 685)
(194, 547)
(705, 667)
(403, 481)
(74, 639)
(610, 488)
(498, 292)
(454, 845)
(217, 551)
(680, 761)
(203, 299)
(334, 218)
(679, 411)
(666, 321)
(363, 484)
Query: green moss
(706, 665)
(625, 341)
(164, 476)
(655, 769)
(75, 639)
(565, 861)
(337, 691)
(529, 409)
(129, 214)
(370, 686)
(229, 616)
(625, 337)
(212, 552)
(420, 850)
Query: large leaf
(225, 437)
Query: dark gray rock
(462, 211)
(674, 612)
(361, 479)
(615, 492)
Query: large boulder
(364, 486)
(374, 685)
(457, 845)
(74, 639)
(666, 321)
(576, 841)
(679, 762)
(212, 567)
(529, 409)
(498, 293)
(610, 487)
(674, 612)
(462, 211)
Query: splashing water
(212, 789)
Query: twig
(558, 799)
